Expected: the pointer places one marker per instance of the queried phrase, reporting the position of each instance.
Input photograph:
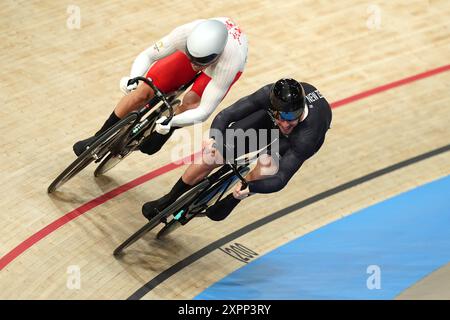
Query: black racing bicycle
(194, 202)
(119, 141)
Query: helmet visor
(287, 116)
(202, 61)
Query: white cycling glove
(124, 87)
(161, 128)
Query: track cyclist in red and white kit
(215, 47)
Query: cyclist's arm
(174, 41)
(223, 75)
(241, 108)
(288, 166)
(212, 96)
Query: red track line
(25, 245)
(389, 86)
(10, 256)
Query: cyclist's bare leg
(220, 210)
(193, 174)
(266, 166)
(134, 100)
(209, 161)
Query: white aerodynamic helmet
(206, 42)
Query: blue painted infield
(407, 237)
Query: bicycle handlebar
(244, 184)
(158, 93)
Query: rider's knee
(210, 157)
(143, 93)
(267, 165)
(208, 143)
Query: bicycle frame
(141, 125)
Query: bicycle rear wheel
(203, 201)
(171, 226)
(216, 192)
(110, 161)
(96, 151)
(114, 158)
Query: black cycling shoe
(149, 209)
(82, 145)
(153, 208)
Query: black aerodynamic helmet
(287, 99)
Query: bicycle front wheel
(136, 236)
(96, 151)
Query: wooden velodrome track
(59, 85)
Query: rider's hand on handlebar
(162, 128)
(240, 194)
(125, 87)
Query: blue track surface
(407, 237)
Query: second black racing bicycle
(119, 141)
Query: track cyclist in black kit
(298, 115)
